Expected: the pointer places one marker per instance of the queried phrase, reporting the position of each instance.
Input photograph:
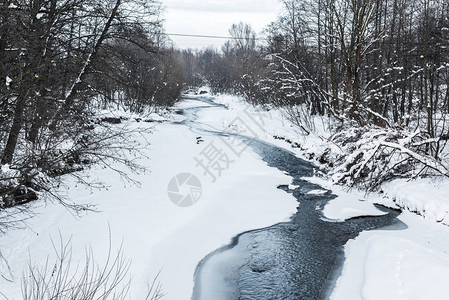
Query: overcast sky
(215, 17)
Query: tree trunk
(14, 132)
(71, 95)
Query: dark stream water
(299, 259)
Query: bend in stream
(299, 259)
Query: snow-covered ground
(428, 197)
(157, 235)
(404, 263)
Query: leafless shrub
(41, 167)
(154, 289)
(300, 116)
(63, 279)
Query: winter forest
(377, 69)
(367, 79)
(62, 60)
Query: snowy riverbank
(158, 235)
(401, 263)
(427, 197)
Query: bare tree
(58, 58)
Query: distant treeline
(381, 63)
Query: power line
(213, 36)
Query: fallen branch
(424, 159)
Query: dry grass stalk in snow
(64, 279)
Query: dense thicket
(60, 60)
(368, 64)
(375, 61)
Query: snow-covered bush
(373, 155)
